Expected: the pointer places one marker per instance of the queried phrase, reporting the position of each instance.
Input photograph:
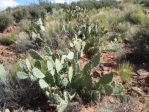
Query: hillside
(87, 56)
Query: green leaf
(22, 64)
(118, 89)
(37, 73)
(43, 84)
(50, 79)
(38, 64)
(22, 75)
(35, 55)
(70, 73)
(57, 98)
(86, 77)
(3, 73)
(77, 44)
(95, 61)
(28, 65)
(48, 50)
(87, 69)
(64, 82)
(55, 56)
(63, 105)
(47, 93)
(52, 72)
(71, 96)
(66, 97)
(77, 69)
(63, 59)
(70, 55)
(106, 79)
(50, 65)
(58, 65)
(108, 90)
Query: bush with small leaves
(37, 12)
(5, 21)
(141, 41)
(137, 16)
(20, 14)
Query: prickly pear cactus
(62, 78)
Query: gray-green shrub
(37, 12)
(5, 21)
(137, 16)
(20, 14)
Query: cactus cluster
(86, 31)
(59, 74)
(36, 31)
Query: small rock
(147, 81)
(29, 111)
(138, 90)
(146, 89)
(7, 110)
(106, 68)
(142, 100)
(23, 36)
(142, 72)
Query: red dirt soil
(7, 54)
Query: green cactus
(3, 73)
(37, 73)
(35, 55)
(22, 75)
(62, 75)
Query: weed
(125, 70)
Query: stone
(7, 110)
(142, 72)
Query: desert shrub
(123, 27)
(37, 12)
(146, 2)
(142, 40)
(20, 14)
(6, 41)
(5, 21)
(137, 16)
(115, 20)
(132, 30)
(16, 93)
(47, 7)
(134, 1)
(102, 19)
(25, 25)
(97, 4)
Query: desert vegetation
(90, 56)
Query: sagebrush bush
(20, 14)
(137, 16)
(25, 25)
(5, 21)
(142, 40)
(37, 12)
(15, 93)
(47, 7)
(146, 2)
(90, 4)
